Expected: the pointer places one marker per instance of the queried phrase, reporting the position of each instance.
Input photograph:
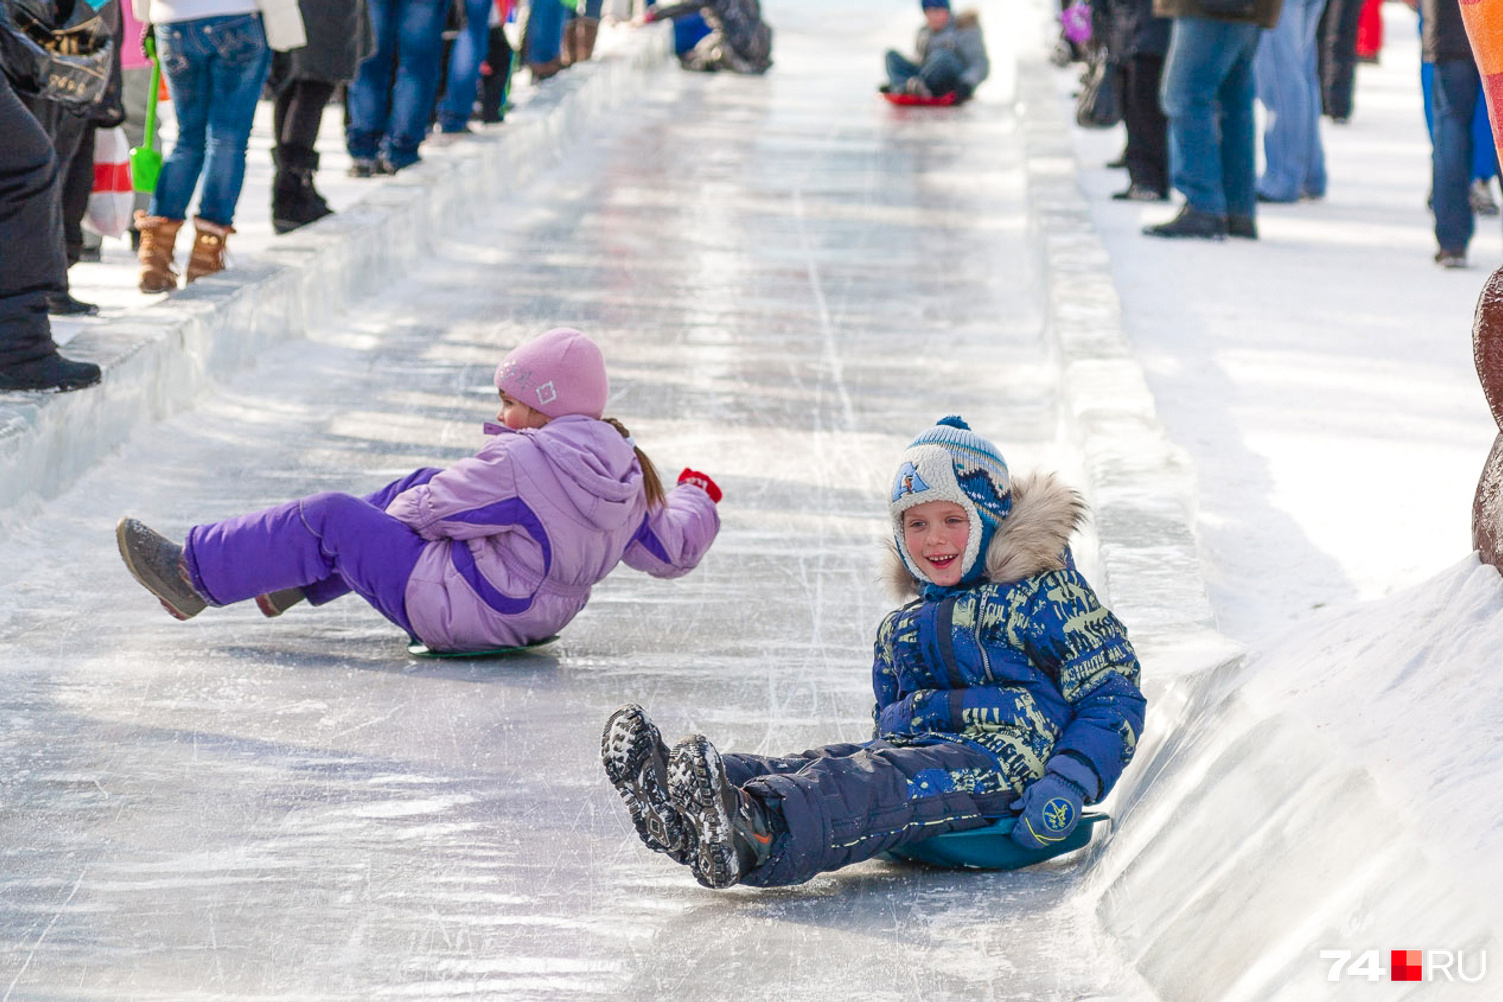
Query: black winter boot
(157, 562)
(294, 200)
(1191, 223)
(729, 831)
(52, 372)
(636, 762)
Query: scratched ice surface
(789, 279)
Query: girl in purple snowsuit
(498, 550)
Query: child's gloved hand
(1050, 811)
(702, 481)
(1075, 22)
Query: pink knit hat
(557, 373)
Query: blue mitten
(1050, 810)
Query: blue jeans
(1453, 102)
(1484, 153)
(545, 31)
(391, 97)
(1289, 87)
(940, 72)
(1207, 94)
(214, 68)
(464, 67)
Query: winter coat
(1134, 31)
(1027, 664)
(1265, 13)
(963, 37)
(1442, 32)
(520, 532)
(339, 39)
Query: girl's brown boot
(158, 234)
(208, 248)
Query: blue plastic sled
(419, 649)
(990, 848)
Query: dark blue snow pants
(328, 544)
(846, 803)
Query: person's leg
(1201, 54)
(464, 68)
(334, 586)
(1147, 152)
(75, 149)
(420, 48)
(849, 803)
(900, 69)
(1281, 84)
(941, 72)
(185, 59)
(545, 34)
(1315, 166)
(1239, 138)
(31, 225)
(495, 75)
(1484, 151)
(1455, 99)
(237, 70)
(302, 543)
(1339, 48)
(300, 113)
(368, 97)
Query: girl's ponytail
(652, 486)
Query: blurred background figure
(1288, 80)
(33, 265)
(390, 100)
(303, 80)
(1137, 41)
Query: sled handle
(150, 45)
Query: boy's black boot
(157, 562)
(50, 372)
(729, 830)
(636, 762)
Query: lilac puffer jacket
(521, 531)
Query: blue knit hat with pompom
(949, 462)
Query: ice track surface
(790, 279)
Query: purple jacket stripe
(651, 543)
(512, 511)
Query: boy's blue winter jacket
(1026, 665)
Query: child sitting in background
(498, 550)
(951, 56)
(1003, 689)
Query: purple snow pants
(327, 544)
(845, 803)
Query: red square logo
(1407, 965)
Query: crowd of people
(400, 69)
(1187, 74)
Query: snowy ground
(789, 279)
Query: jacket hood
(1031, 540)
(970, 18)
(597, 469)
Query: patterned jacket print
(1027, 665)
(520, 532)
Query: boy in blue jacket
(1004, 688)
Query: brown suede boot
(542, 71)
(584, 40)
(158, 234)
(571, 33)
(208, 248)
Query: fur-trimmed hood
(969, 18)
(1032, 540)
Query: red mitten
(702, 481)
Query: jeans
(940, 72)
(545, 32)
(1289, 87)
(1208, 97)
(391, 98)
(1454, 102)
(1484, 153)
(214, 68)
(464, 67)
